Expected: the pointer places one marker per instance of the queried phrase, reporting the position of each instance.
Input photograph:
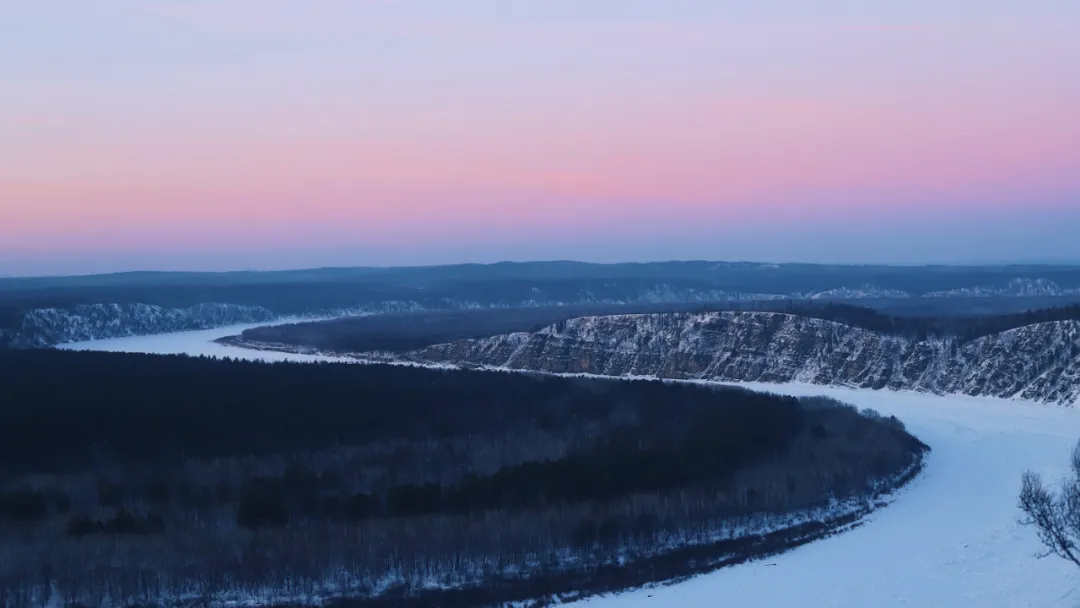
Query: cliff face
(1038, 362)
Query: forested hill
(961, 328)
(411, 331)
(45, 311)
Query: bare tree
(1056, 517)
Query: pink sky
(366, 133)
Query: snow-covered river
(951, 539)
(192, 343)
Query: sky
(264, 134)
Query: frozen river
(192, 343)
(951, 539)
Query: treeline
(412, 331)
(134, 479)
(962, 328)
(327, 292)
(321, 291)
(176, 288)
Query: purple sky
(223, 134)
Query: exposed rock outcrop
(1037, 362)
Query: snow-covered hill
(1037, 362)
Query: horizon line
(985, 264)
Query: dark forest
(134, 479)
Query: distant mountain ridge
(749, 277)
(1038, 362)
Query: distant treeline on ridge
(403, 332)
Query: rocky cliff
(1037, 362)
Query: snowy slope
(951, 539)
(1037, 362)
